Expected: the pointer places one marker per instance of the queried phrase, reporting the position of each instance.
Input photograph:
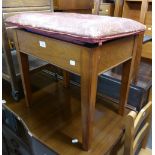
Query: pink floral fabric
(83, 27)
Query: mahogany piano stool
(88, 62)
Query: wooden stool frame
(84, 61)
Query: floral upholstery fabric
(83, 27)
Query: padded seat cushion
(81, 27)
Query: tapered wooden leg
(138, 57)
(127, 70)
(24, 70)
(88, 95)
(66, 79)
(124, 86)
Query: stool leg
(24, 70)
(137, 58)
(89, 76)
(127, 71)
(124, 86)
(66, 79)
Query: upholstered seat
(82, 27)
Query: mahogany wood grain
(53, 52)
(115, 52)
(66, 79)
(46, 121)
(87, 62)
(24, 66)
(124, 86)
(137, 57)
(24, 70)
(126, 78)
(89, 75)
